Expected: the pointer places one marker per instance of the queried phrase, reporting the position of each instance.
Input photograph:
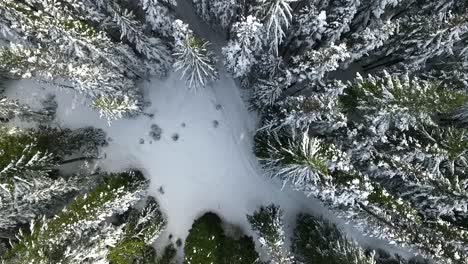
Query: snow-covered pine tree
(267, 222)
(340, 14)
(269, 79)
(159, 16)
(115, 16)
(30, 186)
(121, 243)
(48, 240)
(193, 57)
(276, 15)
(314, 64)
(221, 13)
(393, 100)
(316, 240)
(65, 39)
(142, 228)
(307, 28)
(320, 110)
(399, 141)
(243, 48)
(10, 109)
(374, 12)
(418, 41)
(93, 245)
(313, 167)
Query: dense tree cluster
(33, 190)
(384, 149)
(314, 240)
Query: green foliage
(318, 241)
(193, 57)
(394, 93)
(57, 142)
(240, 251)
(14, 142)
(131, 250)
(204, 240)
(168, 255)
(288, 150)
(207, 243)
(42, 242)
(267, 222)
(141, 229)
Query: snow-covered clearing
(207, 169)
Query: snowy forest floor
(210, 167)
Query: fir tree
(276, 16)
(140, 231)
(208, 243)
(240, 54)
(51, 240)
(193, 57)
(29, 184)
(66, 39)
(267, 222)
(316, 240)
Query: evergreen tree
(241, 52)
(276, 16)
(319, 110)
(159, 16)
(140, 231)
(204, 240)
(193, 57)
(218, 12)
(267, 222)
(207, 243)
(392, 145)
(66, 39)
(69, 234)
(318, 241)
(29, 183)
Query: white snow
(207, 169)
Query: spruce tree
(193, 57)
(316, 240)
(267, 222)
(66, 39)
(30, 185)
(208, 243)
(60, 237)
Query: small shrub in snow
(155, 132)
